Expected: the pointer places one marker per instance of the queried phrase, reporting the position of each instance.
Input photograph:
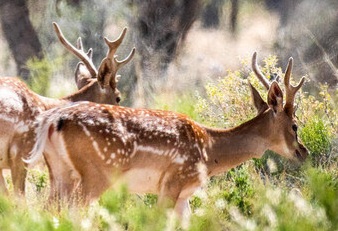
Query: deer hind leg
(64, 179)
(64, 182)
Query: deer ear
(82, 75)
(105, 72)
(259, 103)
(275, 97)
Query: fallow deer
(90, 147)
(20, 106)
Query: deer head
(103, 81)
(282, 126)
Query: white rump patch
(10, 100)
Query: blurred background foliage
(180, 44)
(193, 57)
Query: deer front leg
(169, 191)
(19, 173)
(3, 189)
(169, 197)
(17, 166)
(182, 209)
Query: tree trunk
(211, 14)
(284, 8)
(234, 16)
(159, 28)
(20, 34)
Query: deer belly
(140, 180)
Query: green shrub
(40, 71)
(323, 189)
(316, 138)
(182, 103)
(38, 178)
(228, 101)
(133, 212)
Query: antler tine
(80, 47)
(110, 65)
(288, 72)
(77, 52)
(126, 60)
(113, 45)
(289, 89)
(79, 44)
(90, 53)
(258, 72)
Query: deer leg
(182, 209)
(17, 166)
(3, 188)
(169, 197)
(19, 173)
(169, 191)
(64, 182)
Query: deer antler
(86, 58)
(110, 65)
(113, 45)
(289, 89)
(258, 72)
(80, 47)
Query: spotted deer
(91, 147)
(20, 106)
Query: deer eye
(294, 128)
(118, 99)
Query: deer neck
(231, 147)
(49, 103)
(91, 92)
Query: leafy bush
(241, 191)
(316, 138)
(38, 178)
(319, 119)
(323, 189)
(40, 71)
(133, 212)
(227, 101)
(181, 103)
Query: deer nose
(301, 153)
